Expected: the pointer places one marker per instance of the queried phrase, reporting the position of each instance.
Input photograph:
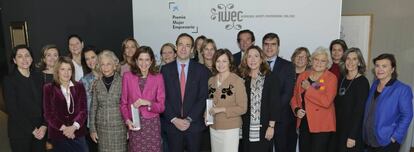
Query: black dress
(24, 108)
(269, 111)
(349, 110)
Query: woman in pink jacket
(143, 88)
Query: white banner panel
(309, 23)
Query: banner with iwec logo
(309, 23)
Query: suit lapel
(188, 86)
(176, 83)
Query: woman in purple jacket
(64, 103)
(143, 88)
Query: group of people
(261, 102)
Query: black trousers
(312, 142)
(70, 145)
(285, 137)
(30, 144)
(392, 147)
(92, 146)
(188, 141)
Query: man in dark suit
(285, 130)
(186, 89)
(245, 39)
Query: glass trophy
(135, 118)
(210, 118)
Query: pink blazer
(153, 91)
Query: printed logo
(225, 13)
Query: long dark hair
(134, 67)
(85, 50)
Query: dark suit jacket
(269, 107)
(285, 71)
(237, 58)
(196, 92)
(23, 100)
(56, 112)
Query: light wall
(393, 31)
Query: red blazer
(56, 113)
(319, 107)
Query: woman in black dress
(353, 89)
(50, 55)
(263, 107)
(23, 99)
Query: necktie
(270, 65)
(182, 82)
(269, 62)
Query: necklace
(342, 89)
(68, 94)
(107, 79)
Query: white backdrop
(309, 23)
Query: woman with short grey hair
(106, 123)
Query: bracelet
(271, 126)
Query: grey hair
(108, 54)
(322, 51)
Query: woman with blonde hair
(50, 55)
(106, 125)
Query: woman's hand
(141, 102)
(269, 133)
(305, 84)
(94, 137)
(130, 125)
(350, 143)
(300, 113)
(215, 110)
(40, 132)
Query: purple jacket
(56, 113)
(153, 92)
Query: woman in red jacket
(312, 103)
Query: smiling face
(167, 54)
(208, 51)
(91, 59)
(51, 56)
(65, 73)
(23, 59)
(75, 46)
(270, 48)
(352, 62)
(253, 59)
(223, 64)
(199, 43)
(337, 52)
(383, 69)
(107, 66)
(144, 62)
(130, 49)
(245, 41)
(320, 63)
(184, 47)
(301, 60)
